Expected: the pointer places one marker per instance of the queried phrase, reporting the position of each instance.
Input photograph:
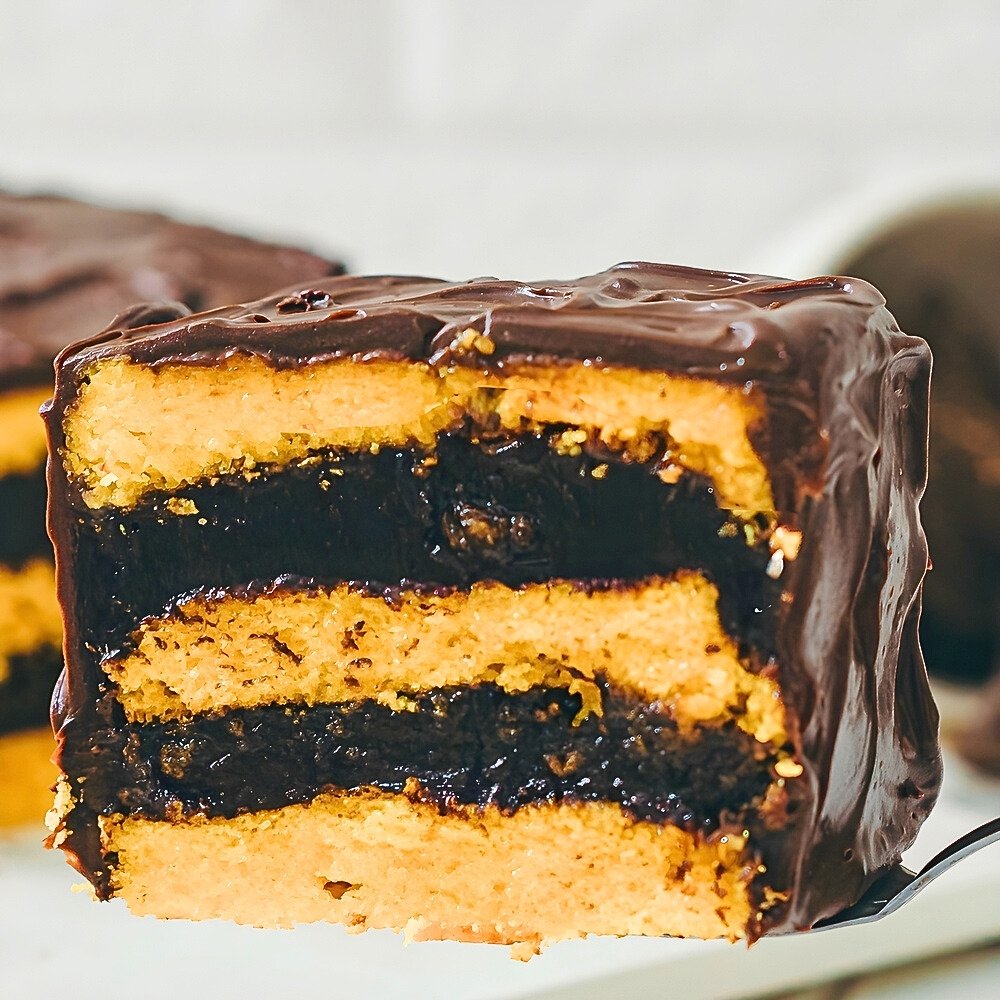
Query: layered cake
(66, 268)
(496, 611)
(938, 268)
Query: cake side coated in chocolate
(842, 439)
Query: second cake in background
(66, 269)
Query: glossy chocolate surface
(844, 442)
(68, 268)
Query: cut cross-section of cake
(66, 269)
(496, 611)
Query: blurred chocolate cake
(939, 271)
(979, 742)
(66, 269)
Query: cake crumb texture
(659, 639)
(129, 431)
(373, 860)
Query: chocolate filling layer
(511, 509)
(22, 518)
(468, 745)
(27, 691)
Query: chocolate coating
(68, 268)
(844, 442)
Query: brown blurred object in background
(939, 270)
(67, 268)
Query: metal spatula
(899, 885)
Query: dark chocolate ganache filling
(27, 690)
(22, 523)
(511, 509)
(464, 745)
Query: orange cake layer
(128, 432)
(660, 639)
(544, 873)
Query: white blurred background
(531, 139)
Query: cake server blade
(898, 885)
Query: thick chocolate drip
(513, 510)
(27, 691)
(67, 268)
(844, 443)
(852, 674)
(22, 528)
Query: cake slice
(66, 269)
(496, 611)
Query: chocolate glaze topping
(844, 442)
(650, 316)
(67, 268)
